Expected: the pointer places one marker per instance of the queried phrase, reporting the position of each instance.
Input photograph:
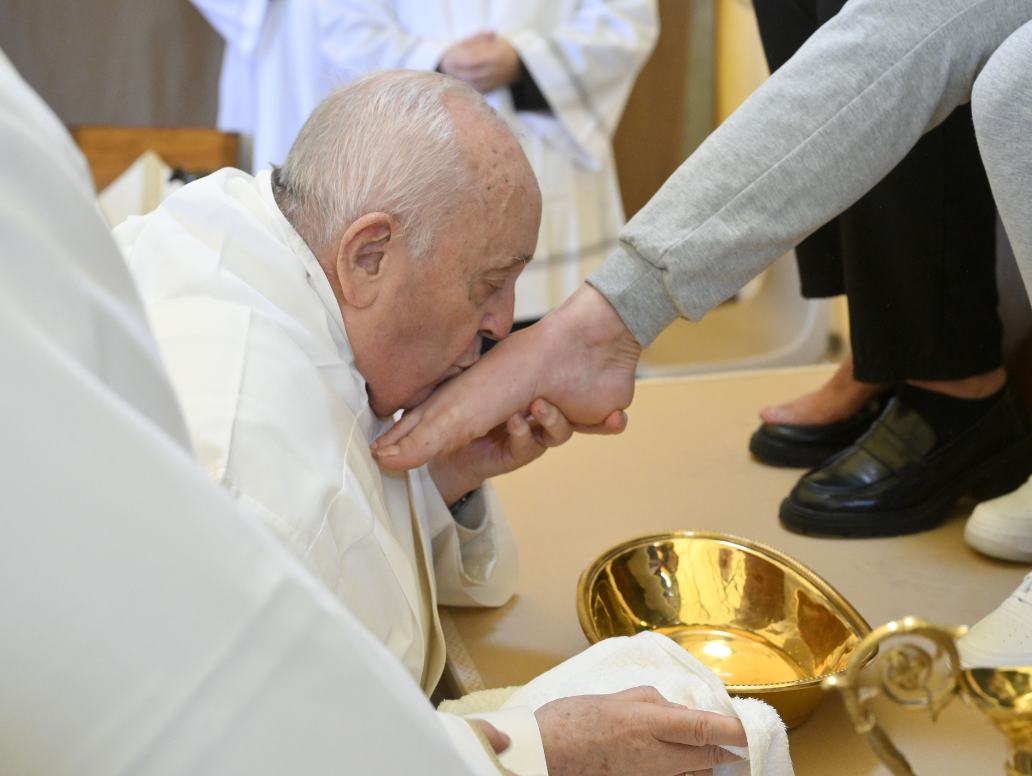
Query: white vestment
(149, 625)
(279, 416)
(583, 54)
(273, 73)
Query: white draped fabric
(279, 415)
(583, 54)
(149, 625)
(273, 73)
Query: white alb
(254, 341)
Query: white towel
(651, 659)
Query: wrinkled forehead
(492, 153)
(507, 216)
(500, 215)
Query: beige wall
(670, 110)
(740, 63)
(707, 61)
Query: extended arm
(811, 141)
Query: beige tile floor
(683, 464)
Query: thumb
(499, 741)
(698, 728)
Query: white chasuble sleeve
(361, 35)
(474, 748)
(475, 560)
(525, 754)
(272, 432)
(587, 64)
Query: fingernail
(389, 451)
(374, 446)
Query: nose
(497, 321)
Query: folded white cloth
(651, 659)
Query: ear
(366, 252)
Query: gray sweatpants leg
(1001, 103)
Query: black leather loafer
(892, 481)
(790, 444)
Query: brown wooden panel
(648, 143)
(110, 150)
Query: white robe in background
(150, 626)
(583, 54)
(279, 416)
(273, 73)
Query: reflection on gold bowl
(768, 626)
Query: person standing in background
(559, 71)
(916, 257)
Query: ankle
(949, 416)
(976, 387)
(595, 321)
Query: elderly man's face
(428, 316)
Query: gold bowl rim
(837, 599)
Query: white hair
(385, 142)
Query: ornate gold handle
(906, 675)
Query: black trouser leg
(916, 256)
(919, 253)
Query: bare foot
(580, 358)
(836, 400)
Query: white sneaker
(1002, 527)
(1003, 639)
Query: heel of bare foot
(838, 399)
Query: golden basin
(764, 623)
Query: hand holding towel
(648, 658)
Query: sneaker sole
(997, 476)
(998, 545)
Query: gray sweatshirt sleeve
(820, 133)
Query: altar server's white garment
(254, 341)
(149, 625)
(273, 73)
(583, 54)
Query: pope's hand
(484, 61)
(579, 358)
(503, 449)
(635, 732)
